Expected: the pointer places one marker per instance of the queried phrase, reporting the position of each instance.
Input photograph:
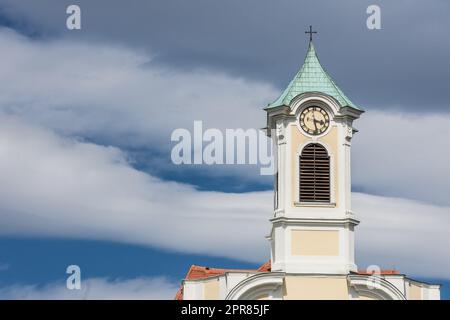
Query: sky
(86, 118)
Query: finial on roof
(312, 77)
(310, 33)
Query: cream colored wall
(315, 288)
(415, 292)
(298, 138)
(315, 242)
(211, 289)
(366, 298)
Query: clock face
(314, 120)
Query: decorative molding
(375, 286)
(330, 103)
(315, 204)
(254, 286)
(315, 221)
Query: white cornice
(314, 221)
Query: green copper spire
(312, 78)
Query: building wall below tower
(315, 288)
(287, 286)
(315, 242)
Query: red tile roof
(199, 272)
(382, 272)
(266, 267)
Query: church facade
(312, 239)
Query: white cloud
(121, 97)
(95, 289)
(90, 90)
(403, 155)
(407, 235)
(65, 188)
(62, 187)
(118, 93)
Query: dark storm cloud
(406, 65)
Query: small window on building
(314, 174)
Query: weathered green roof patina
(312, 78)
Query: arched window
(314, 174)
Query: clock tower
(312, 126)
(312, 239)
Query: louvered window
(314, 174)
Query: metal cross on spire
(310, 33)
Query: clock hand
(319, 121)
(315, 121)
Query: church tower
(312, 235)
(312, 126)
